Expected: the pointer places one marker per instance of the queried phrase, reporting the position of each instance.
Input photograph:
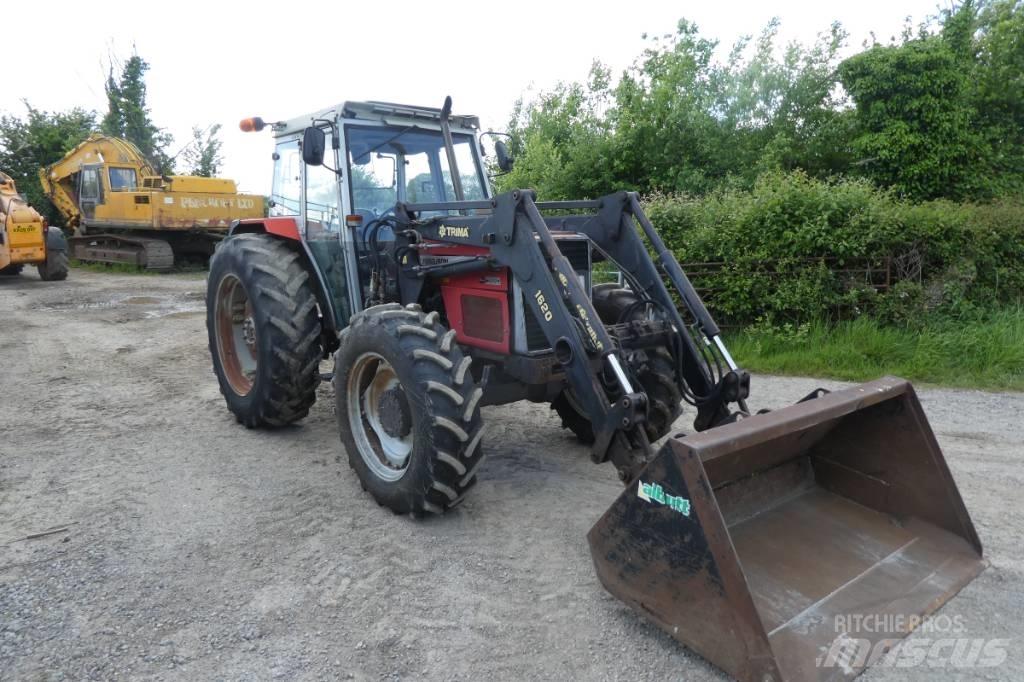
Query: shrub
(781, 248)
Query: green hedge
(781, 247)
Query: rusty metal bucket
(762, 544)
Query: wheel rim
(237, 344)
(379, 416)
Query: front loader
(750, 539)
(26, 239)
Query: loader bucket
(794, 545)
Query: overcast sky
(218, 62)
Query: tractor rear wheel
(653, 368)
(408, 409)
(264, 330)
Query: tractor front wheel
(408, 409)
(264, 330)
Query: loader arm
(615, 230)
(519, 238)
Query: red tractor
(386, 250)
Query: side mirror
(313, 144)
(505, 159)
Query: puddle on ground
(187, 304)
(178, 313)
(177, 308)
(77, 305)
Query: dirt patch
(197, 549)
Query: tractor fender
(279, 226)
(287, 227)
(55, 239)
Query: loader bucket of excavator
(799, 544)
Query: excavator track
(142, 252)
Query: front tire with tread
(444, 400)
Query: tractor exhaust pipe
(756, 542)
(449, 149)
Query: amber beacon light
(252, 125)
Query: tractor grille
(578, 253)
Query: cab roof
(387, 112)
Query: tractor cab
(339, 172)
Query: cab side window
(322, 213)
(287, 186)
(122, 179)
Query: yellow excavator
(123, 211)
(26, 239)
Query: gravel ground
(198, 549)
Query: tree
(128, 114)
(562, 140)
(941, 114)
(783, 110)
(678, 120)
(202, 156)
(937, 112)
(37, 140)
(915, 119)
(999, 45)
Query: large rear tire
(653, 368)
(264, 330)
(55, 267)
(408, 409)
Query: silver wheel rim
(386, 454)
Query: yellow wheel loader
(753, 539)
(26, 239)
(123, 211)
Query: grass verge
(125, 269)
(986, 354)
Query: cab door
(90, 191)
(322, 225)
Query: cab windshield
(388, 165)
